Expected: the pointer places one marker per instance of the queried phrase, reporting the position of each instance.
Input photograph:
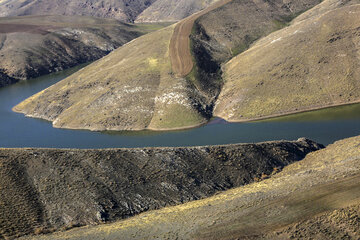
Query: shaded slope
(132, 88)
(34, 46)
(311, 64)
(125, 10)
(171, 11)
(309, 190)
(53, 189)
(226, 31)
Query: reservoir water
(324, 126)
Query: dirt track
(180, 56)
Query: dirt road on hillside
(180, 55)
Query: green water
(324, 126)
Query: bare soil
(180, 55)
(316, 198)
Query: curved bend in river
(135, 87)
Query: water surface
(324, 126)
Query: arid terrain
(172, 11)
(313, 63)
(160, 65)
(58, 189)
(148, 89)
(132, 88)
(34, 46)
(125, 10)
(316, 198)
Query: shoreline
(313, 109)
(161, 130)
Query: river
(324, 126)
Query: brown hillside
(132, 88)
(125, 10)
(171, 11)
(230, 29)
(44, 189)
(316, 198)
(311, 64)
(34, 46)
(145, 90)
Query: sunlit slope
(316, 198)
(169, 10)
(311, 64)
(132, 88)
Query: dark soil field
(316, 198)
(51, 190)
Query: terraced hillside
(313, 63)
(34, 46)
(316, 198)
(147, 89)
(50, 190)
(125, 10)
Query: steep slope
(47, 190)
(171, 11)
(316, 198)
(313, 63)
(214, 39)
(33, 46)
(125, 10)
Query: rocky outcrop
(6, 80)
(51, 189)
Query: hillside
(125, 10)
(171, 11)
(148, 88)
(54, 189)
(214, 40)
(132, 88)
(34, 46)
(316, 198)
(313, 63)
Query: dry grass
(312, 64)
(132, 88)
